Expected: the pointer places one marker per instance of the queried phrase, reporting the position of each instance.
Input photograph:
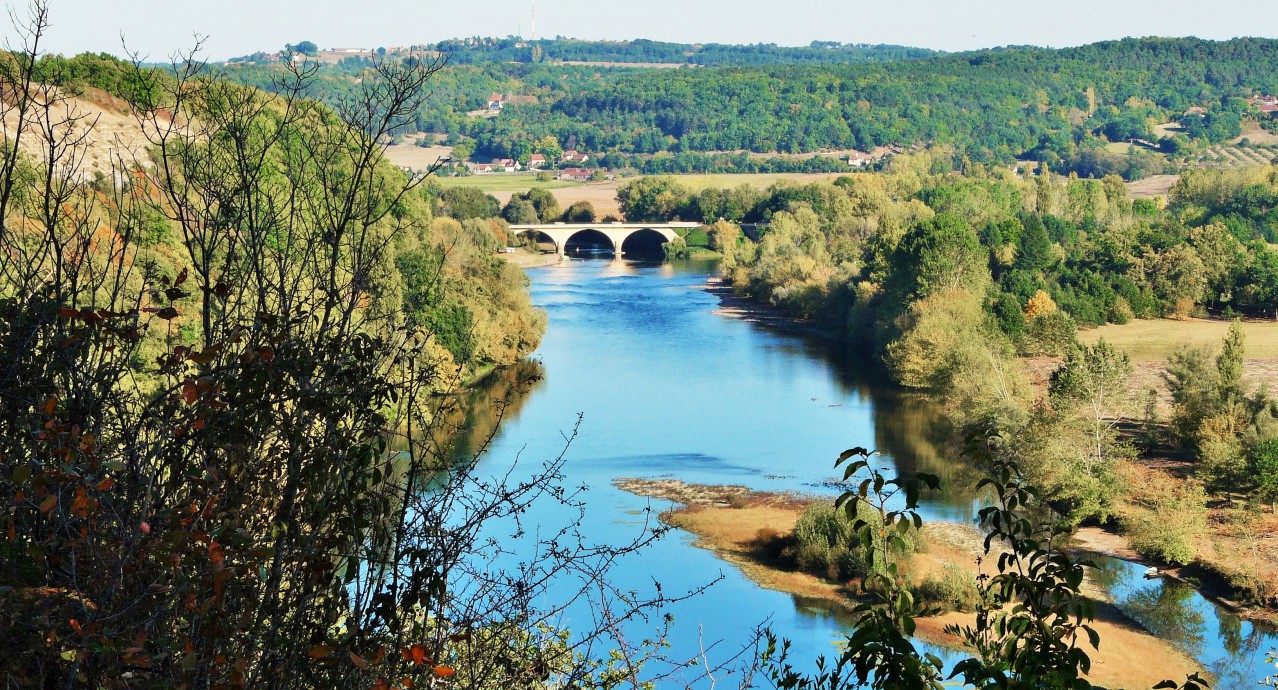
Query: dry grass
(116, 133)
(1154, 340)
(408, 154)
(1152, 186)
(1257, 136)
(603, 195)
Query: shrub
(1053, 333)
(954, 590)
(825, 542)
(1166, 516)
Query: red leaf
(215, 553)
(444, 671)
(145, 528)
(48, 504)
(168, 313)
(358, 661)
(320, 651)
(181, 278)
(50, 404)
(415, 654)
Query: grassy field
(1154, 340)
(603, 195)
(505, 183)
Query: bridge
(560, 234)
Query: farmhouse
(481, 168)
(536, 161)
(856, 159)
(508, 165)
(574, 156)
(496, 102)
(576, 174)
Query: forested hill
(1058, 106)
(485, 50)
(991, 105)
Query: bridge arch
(541, 239)
(590, 241)
(645, 243)
(616, 234)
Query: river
(668, 388)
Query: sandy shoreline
(735, 523)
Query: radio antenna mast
(534, 20)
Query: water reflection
(667, 388)
(1229, 648)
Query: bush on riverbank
(825, 543)
(953, 590)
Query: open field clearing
(1154, 340)
(408, 154)
(1152, 186)
(1257, 136)
(603, 195)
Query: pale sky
(237, 27)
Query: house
(481, 168)
(1266, 104)
(574, 156)
(856, 159)
(496, 102)
(576, 174)
(508, 165)
(1194, 110)
(536, 161)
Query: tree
(463, 203)
(1033, 622)
(237, 480)
(1035, 251)
(1093, 380)
(942, 253)
(549, 147)
(520, 211)
(580, 212)
(652, 199)
(1264, 464)
(1229, 364)
(305, 48)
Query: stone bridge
(617, 233)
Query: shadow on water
(670, 390)
(467, 422)
(909, 428)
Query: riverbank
(736, 306)
(742, 526)
(1236, 556)
(526, 259)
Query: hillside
(1060, 107)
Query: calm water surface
(667, 388)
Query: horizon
(153, 30)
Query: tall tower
(534, 20)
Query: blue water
(667, 388)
